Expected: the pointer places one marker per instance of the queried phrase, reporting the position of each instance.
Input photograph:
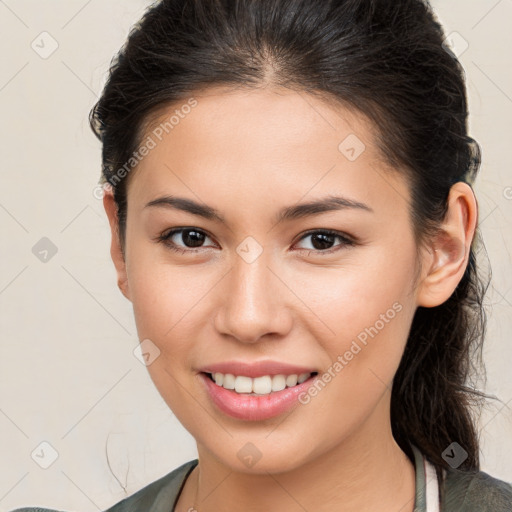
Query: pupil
(325, 237)
(195, 237)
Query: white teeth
(260, 385)
(243, 384)
(291, 380)
(278, 382)
(229, 381)
(303, 377)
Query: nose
(253, 302)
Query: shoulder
(154, 497)
(469, 491)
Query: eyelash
(346, 241)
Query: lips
(255, 407)
(250, 407)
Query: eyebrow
(296, 211)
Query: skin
(248, 153)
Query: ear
(115, 246)
(447, 255)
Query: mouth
(241, 402)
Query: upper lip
(256, 369)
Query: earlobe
(448, 253)
(115, 246)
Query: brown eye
(322, 241)
(191, 238)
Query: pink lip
(254, 407)
(257, 369)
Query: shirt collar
(427, 483)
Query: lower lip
(254, 407)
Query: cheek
(368, 306)
(168, 311)
(370, 318)
(170, 304)
(161, 293)
(364, 286)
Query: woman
(288, 185)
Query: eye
(192, 238)
(322, 241)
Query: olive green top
(458, 491)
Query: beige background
(68, 376)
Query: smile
(263, 385)
(251, 406)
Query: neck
(367, 471)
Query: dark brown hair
(388, 61)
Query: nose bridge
(253, 305)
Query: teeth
(302, 377)
(291, 380)
(259, 385)
(278, 382)
(219, 378)
(229, 381)
(243, 384)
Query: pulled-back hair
(386, 60)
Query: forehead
(276, 115)
(260, 142)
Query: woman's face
(259, 288)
